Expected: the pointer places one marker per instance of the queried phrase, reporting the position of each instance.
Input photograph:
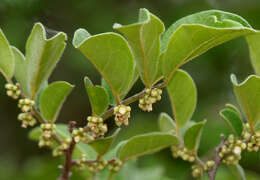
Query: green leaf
(52, 99)
(192, 136)
(102, 145)
(98, 97)
(233, 120)
(146, 144)
(248, 97)
(254, 44)
(111, 55)
(42, 55)
(238, 171)
(79, 36)
(85, 149)
(234, 108)
(183, 97)
(144, 38)
(198, 33)
(111, 97)
(166, 123)
(20, 73)
(7, 63)
(38, 96)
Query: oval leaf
(98, 97)
(52, 99)
(166, 123)
(183, 97)
(198, 33)
(248, 97)
(111, 55)
(42, 55)
(144, 38)
(102, 145)
(233, 120)
(146, 144)
(192, 136)
(7, 63)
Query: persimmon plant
(141, 50)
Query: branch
(129, 100)
(68, 162)
(212, 172)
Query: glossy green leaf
(111, 55)
(183, 97)
(144, 38)
(98, 97)
(42, 55)
(198, 33)
(111, 97)
(102, 145)
(146, 144)
(52, 99)
(166, 123)
(233, 120)
(192, 136)
(248, 97)
(7, 62)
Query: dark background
(21, 158)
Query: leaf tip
(80, 35)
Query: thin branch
(68, 162)
(212, 172)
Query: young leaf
(7, 63)
(20, 73)
(248, 97)
(233, 120)
(102, 145)
(98, 97)
(42, 55)
(198, 33)
(111, 55)
(145, 144)
(144, 38)
(183, 97)
(52, 99)
(111, 97)
(192, 136)
(79, 36)
(166, 123)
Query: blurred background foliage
(21, 158)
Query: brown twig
(212, 172)
(68, 162)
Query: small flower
(26, 105)
(97, 126)
(48, 130)
(13, 90)
(27, 119)
(80, 135)
(115, 165)
(122, 114)
(151, 96)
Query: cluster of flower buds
(209, 165)
(231, 150)
(80, 135)
(58, 151)
(13, 91)
(97, 166)
(97, 126)
(81, 162)
(27, 119)
(48, 130)
(26, 105)
(253, 141)
(122, 114)
(151, 96)
(115, 165)
(184, 153)
(197, 170)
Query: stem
(129, 100)
(69, 162)
(218, 159)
